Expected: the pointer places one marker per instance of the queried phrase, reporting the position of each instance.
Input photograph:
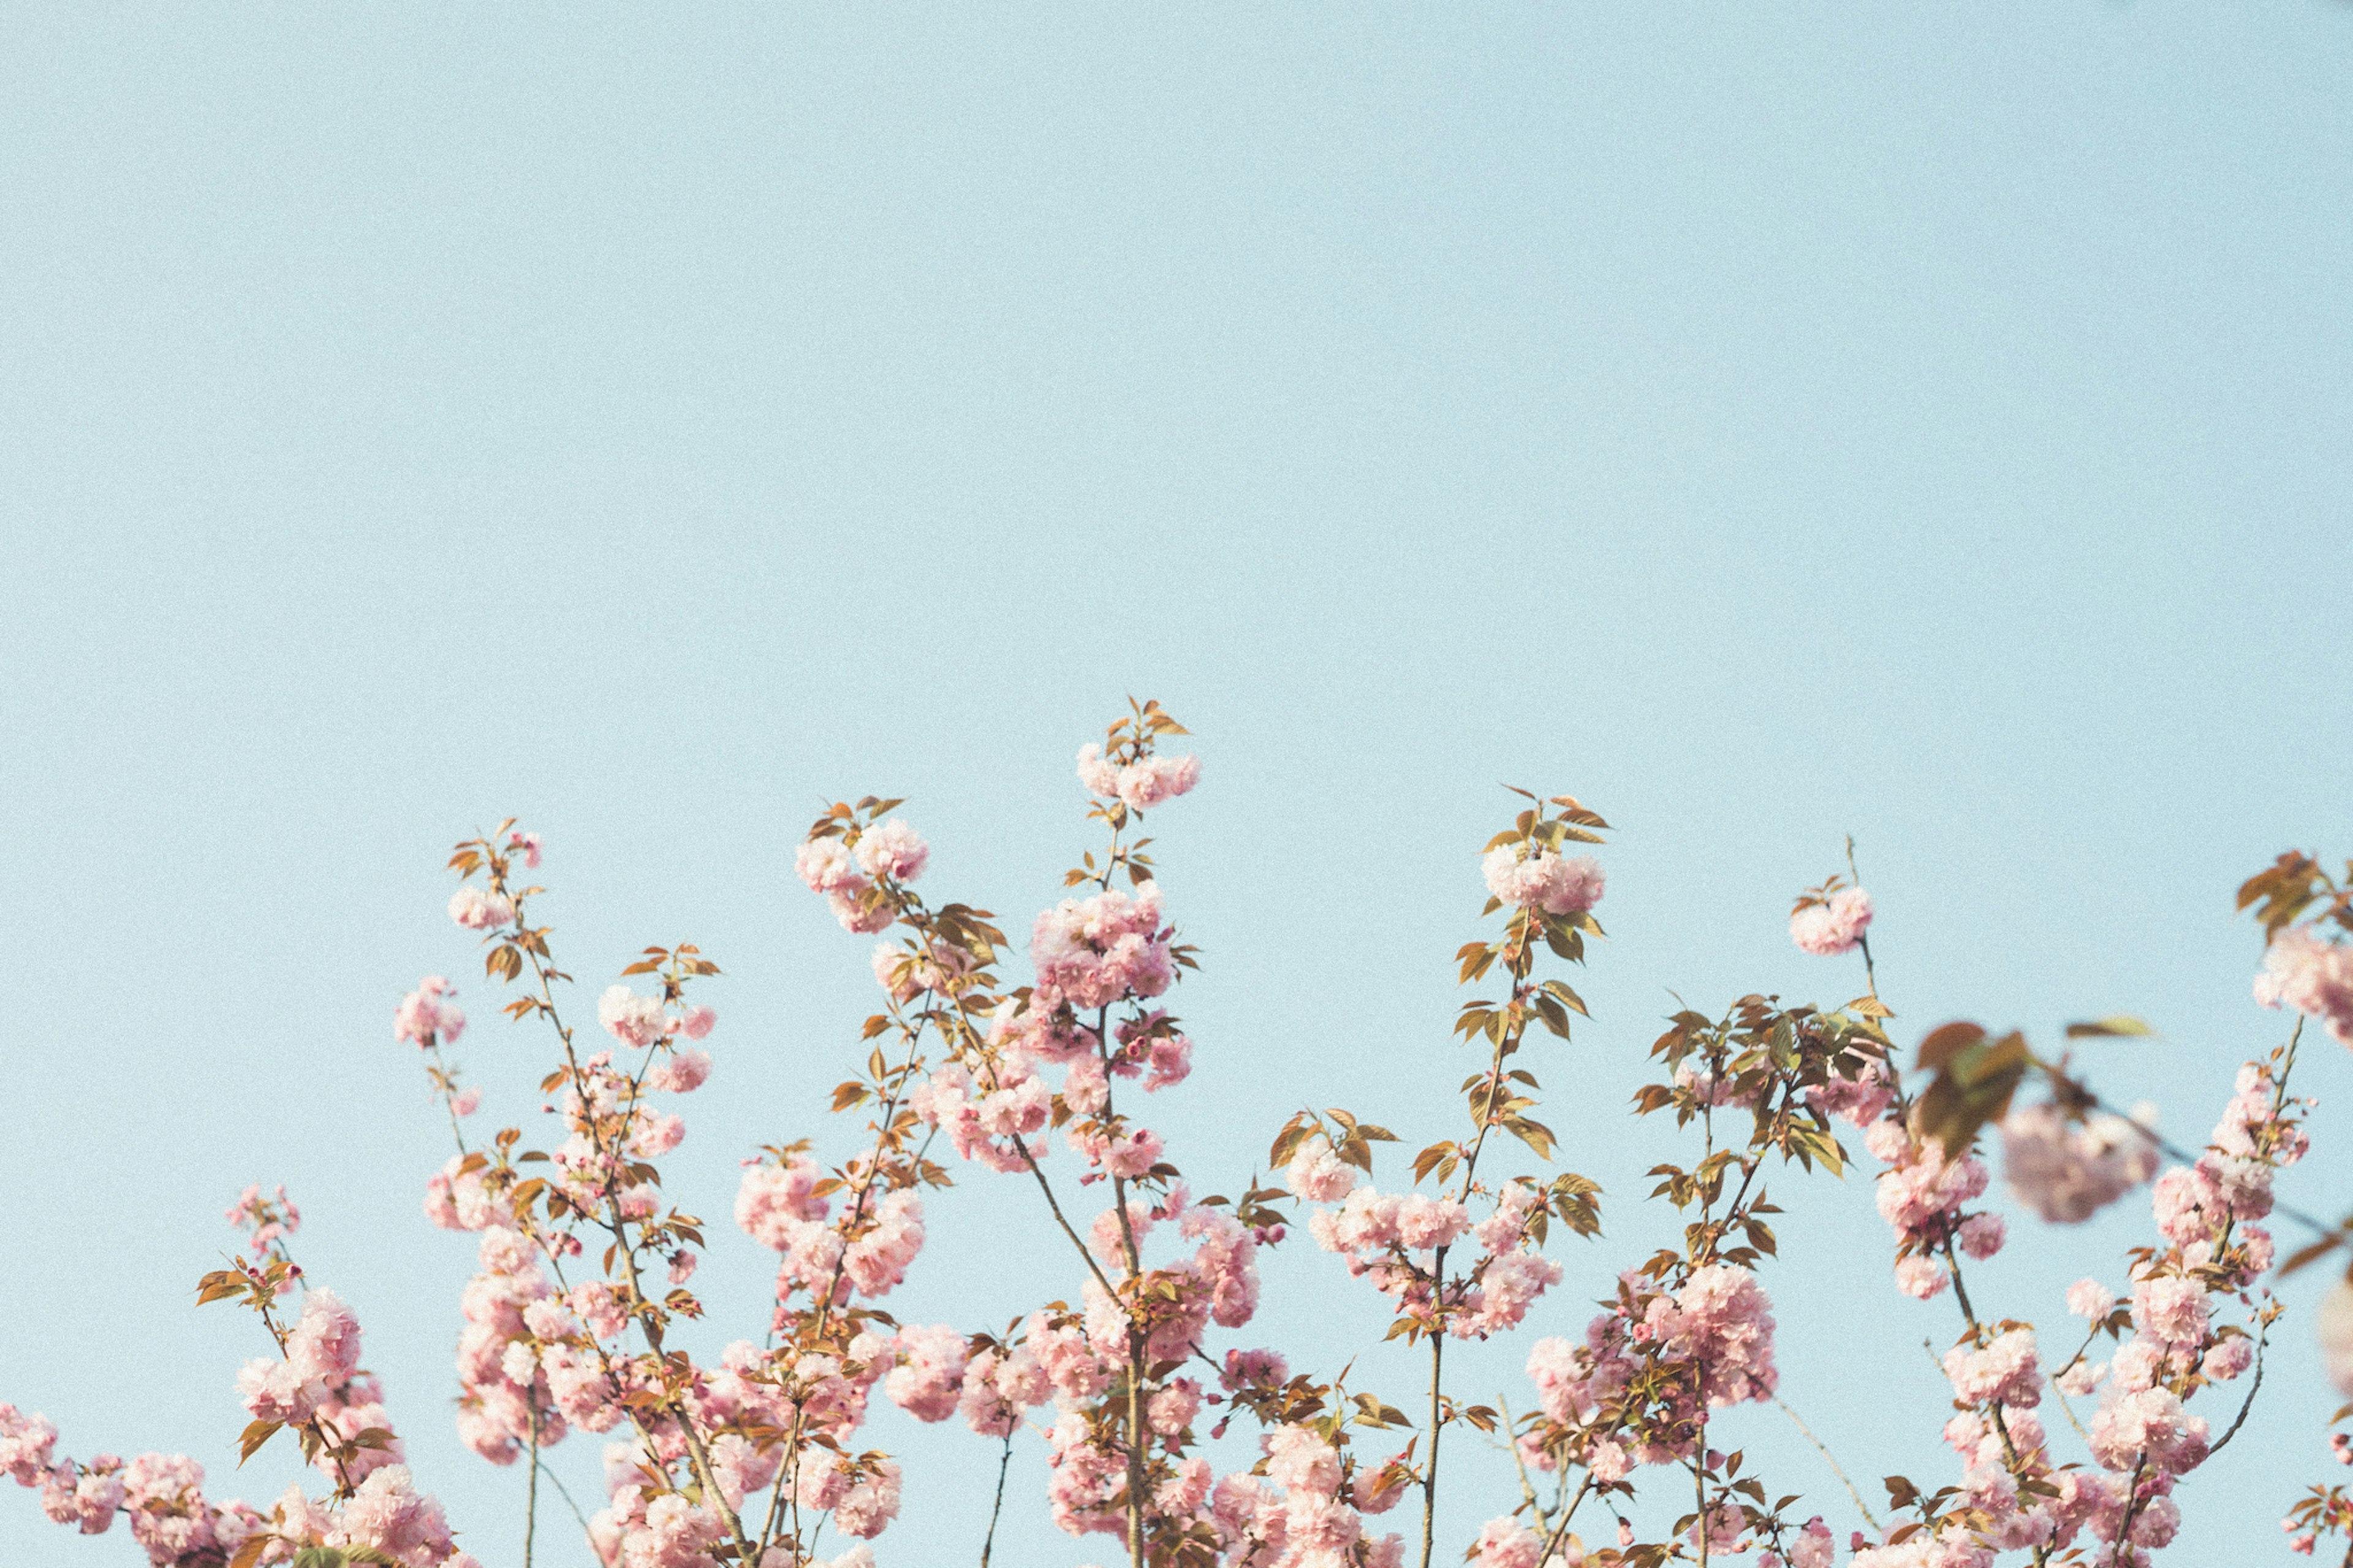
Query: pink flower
(685, 1071)
(2148, 1423)
(1298, 1460)
(773, 1201)
(2067, 1171)
(1503, 1543)
(824, 865)
(1318, 1174)
(1092, 953)
(2331, 1325)
(1921, 1278)
(423, 1016)
(861, 916)
(2005, 1372)
(1554, 883)
(892, 849)
(2311, 976)
(1828, 930)
(466, 1101)
(2171, 1308)
(478, 909)
(1148, 783)
(697, 1022)
(1981, 1235)
(26, 1442)
(1100, 775)
(1141, 784)
(930, 1376)
(632, 1019)
(2090, 1299)
(325, 1343)
(529, 844)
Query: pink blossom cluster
(162, 1495)
(503, 1393)
(322, 1352)
(1543, 879)
(1507, 1543)
(425, 1016)
(636, 1019)
(1713, 1334)
(928, 1381)
(1143, 783)
(478, 909)
(2142, 1435)
(1828, 927)
(1920, 1195)
(1814, 1547)
(1306, 1511)
(982, 1121)
(2307, 974)
(2066, 1171)
(387, 1515)
(1391, 1240)
(1858, 1091)
(1095, 952)
(851, 876)
(267, 1221)
(867, 1250)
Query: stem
(1699, 1485)
(1136, 1365)
(566, 1493)
(1561, 1531)
(531, 1504)
(2132, 1506)
(1526, 1490)
(999, 1507)
(1429, 1476)
(2245, 1405)
(1861, 1507)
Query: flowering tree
(1163, 1430)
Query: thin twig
(1861, 1507)
(999, 1507)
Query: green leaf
(2120, 1024)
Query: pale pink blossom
(2331, 1325)
(825, 866)
(2067, 1171)
(629, 1017)
(424, 1016)
(1828, 929)
(478, 909)
(1922, 1278)
(2311, 976)
(1556, 884)
(892, 849)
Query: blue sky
(1766, 424)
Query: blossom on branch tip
(1834, 926)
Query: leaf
(2304, 1256)
(1945, 1041)
(1973, 1087)
(256, 1435)
(2118, 1024)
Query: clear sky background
(1765, 422)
